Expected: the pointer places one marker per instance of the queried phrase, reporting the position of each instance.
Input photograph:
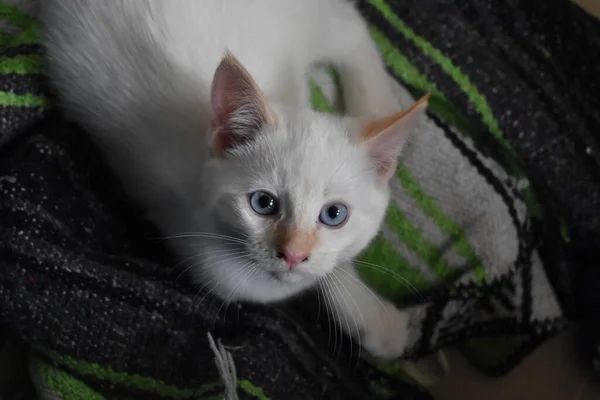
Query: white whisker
(327, 312)
(238, 255)
(340, 297)
(239, 271)
(358, 330)
(250, 269)
(318, 302)
(224, 278)
(392, 274)
(348, 275)
(335, 315)
(202, 253)
(204, 235)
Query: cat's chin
(289, 277)
(274, 286)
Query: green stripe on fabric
(318, 99)
(129, 380)
(402, 66)
(397, 369)
(390, 284)
(249, 388)
(145, 383)
(22, 65)
(30, 27)
(414, 240)
(16, 16)
(446, 224)
(30, 37)
(64, 385)
(463, 81)
(207, 388)
(21, 100)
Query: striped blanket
(106, 317)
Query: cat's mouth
(286, 276)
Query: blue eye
(334, 215)
(264, 203)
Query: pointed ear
(385, 137)
(239, 108)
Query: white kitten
(265, 195)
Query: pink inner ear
(239, 108)
(385, 152)
(224, 100)
(385, 138)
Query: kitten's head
(301, 193)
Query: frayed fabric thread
(226, 366)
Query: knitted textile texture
(496, 195)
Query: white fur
(137, 74)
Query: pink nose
(292, 259)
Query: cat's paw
(386, 337)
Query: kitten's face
(302, 196)
(298, 194)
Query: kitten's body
(139, 75)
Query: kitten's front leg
(381, 328)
